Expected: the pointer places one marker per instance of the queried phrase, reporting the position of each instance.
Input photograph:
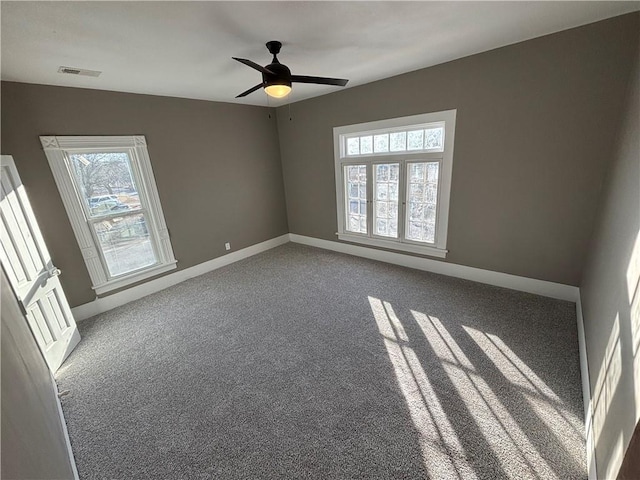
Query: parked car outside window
(108, 206)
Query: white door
(34, 278)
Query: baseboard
(100, 305)
(65, 432)
(530, 285)
(586, 394)
(514, 282)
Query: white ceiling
(184, 49)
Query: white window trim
(340, 134)
(56, 149)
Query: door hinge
(23, 309)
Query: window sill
(404, 247)
(128, 280)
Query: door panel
(31, 272)
(13, 265)
(44, 333)
(54, 303)
(19, 230)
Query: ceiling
(184, 49)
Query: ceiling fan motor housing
(281, 76)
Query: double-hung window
(393, 179)
(110, 195)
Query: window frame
(58, 150)
(445, 119)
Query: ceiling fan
(277, 78)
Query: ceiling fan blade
(251, 90)
(251, 64)
(340, 82)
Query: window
(109, 192)
(393, 179)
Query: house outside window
(393, 182)
(110, 195)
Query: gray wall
(217, 167)
(33, 442)
(608, 291)
(535, 126)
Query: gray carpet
(304, 363)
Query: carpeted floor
(304, 363)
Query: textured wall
(610, 292)
(217, 167)
(33, 442)
(535, 125)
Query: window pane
(353, 146)
(432, 172)
(366, 144)
(398, 141)
(393, 210)
(356, 191)
(385, 211)
(381, 143)
(105, 182)
(422, 198)
(382, 190)
(434, 138)
(125, 243)
(415, 140)
(382, 209)
(416, 173)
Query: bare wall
(33, 440)
(217, 167)
(535, 125)
(610, 293)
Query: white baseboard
(65, 432)
(586, 394)
(514, 282)
(530, 285)
(100, 305)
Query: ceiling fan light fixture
(277, 78)
(278, 91)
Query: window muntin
(109, 192)
(410, 212)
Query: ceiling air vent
(79, 71)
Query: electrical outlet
(227, 246)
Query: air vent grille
(79, 71)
